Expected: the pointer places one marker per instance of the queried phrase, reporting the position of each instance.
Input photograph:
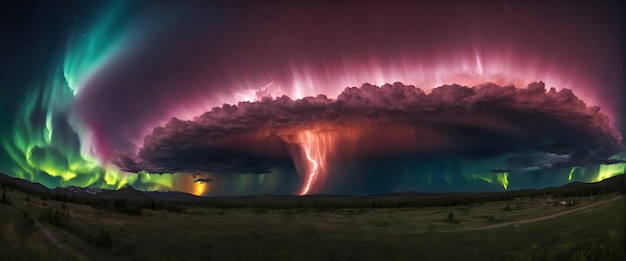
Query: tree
(101, 238)
(5, 199)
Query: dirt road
(520, 222)
(48, 234)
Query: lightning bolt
(316, 147)
(312, 174)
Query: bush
(5, 199)
(27, 223)
(101, 238)
(132, 211)
(260, 211)
(122, 205)
(175, 209)
(59, 218)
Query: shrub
(59, 218)
(175, 209)
(101, 238)
(133, 211)
(5, 198)
(27, 223)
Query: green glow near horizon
(571, 172)
(493, 178)
(605, 171)
(608, 171)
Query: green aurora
(46, 143)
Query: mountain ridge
(130, 193)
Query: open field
(590, 229)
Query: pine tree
(5, 199)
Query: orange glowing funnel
(316, 147)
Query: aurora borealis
(338, 97)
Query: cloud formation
(392, 120)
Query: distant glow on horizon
(199, 188)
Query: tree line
(615, 184)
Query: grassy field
(202, 233)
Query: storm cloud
(554, 128)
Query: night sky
(306, 97)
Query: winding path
(48, 234)
(520, 222)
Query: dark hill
(126, 192)
(26, 185)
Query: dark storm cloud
(542, 161)
(197, 158)
(478, 122)
(204, 180)
(216, 48)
